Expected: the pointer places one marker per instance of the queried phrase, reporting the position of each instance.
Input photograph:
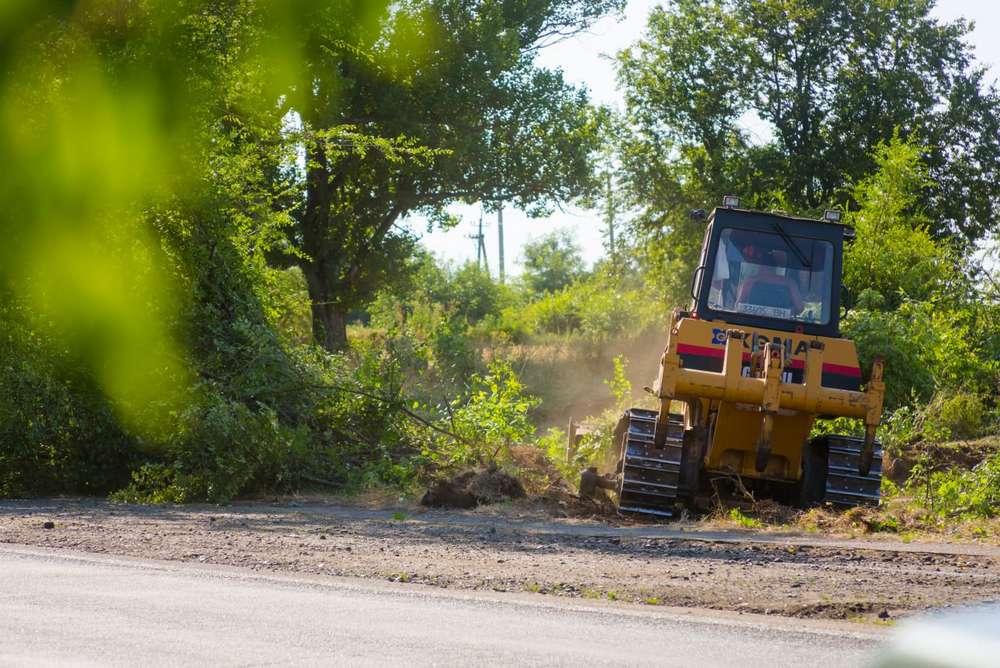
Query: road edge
(818, 627)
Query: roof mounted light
(730, 202)
(832, 215)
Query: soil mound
(963, 455)
(475, 487)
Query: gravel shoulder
(517, 549)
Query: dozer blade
(845, 486)
(650, 475)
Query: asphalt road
(60, 608)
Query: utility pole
(500, 239)
(611, 217)
(481, 250)
(480, 239)
(479, 242)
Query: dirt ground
(515, 548)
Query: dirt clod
(477, 487)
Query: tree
(685, 84)
(552, 262)
(832, 79)
(682, 81)
(837, 78)
(893, 253)
(462, 113)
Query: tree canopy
(831, 80)
(462, 114)
(552, 262)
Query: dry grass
(898, 518)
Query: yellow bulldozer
(747, 371)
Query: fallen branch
(391, 402)
(322, 481)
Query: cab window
(772, 275)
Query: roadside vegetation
(211, 282)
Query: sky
(585, 61)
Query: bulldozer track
(649, 481)
(650, 476)
(845, 486)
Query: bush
(553, 313)
(948, 416)
(553, 445)
(611, 308)
(926, 347)
(959, 493)
(901, 341)
(493, 417)
(960, 415)
(599, 309)
(58, 434)
(219, 449)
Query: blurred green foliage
(152, 340)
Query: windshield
(772, 275)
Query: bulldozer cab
(770, 271)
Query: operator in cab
(770, 287)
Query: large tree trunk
(329, 321)
(329, 326)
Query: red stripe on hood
(705, 351)
(841, 370)
(688, 349)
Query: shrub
(552, 313)
(608, 311)
(746, 522)
(950, 415)
(553, 444)
(961, 415)
(489, 421)
(219, 449)
(619, 385)
(959, 493)
(901, 342)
